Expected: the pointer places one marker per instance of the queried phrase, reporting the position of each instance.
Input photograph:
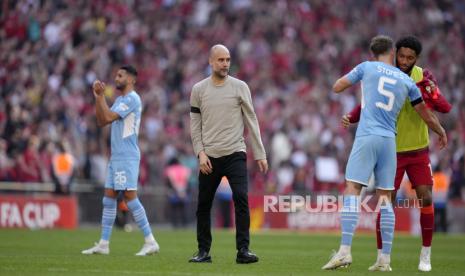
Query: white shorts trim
(385, 189)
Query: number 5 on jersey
(389, 94)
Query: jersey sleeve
(439, 103)
(125, 106)
(354, 115)
(431, 93)
(357, 73)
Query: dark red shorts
(417, 166)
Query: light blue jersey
(123, 169)
(125, 131)
(384, 90)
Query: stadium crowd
(289, 52)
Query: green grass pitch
(57, 252)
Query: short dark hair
(381, 44)
(129, 69)
(410, 42)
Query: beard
(221, 74)
(120, 86)
(408, 70)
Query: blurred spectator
(223, 198)
(6, 163)
(95, 164)
(177, 177)
(285, 177)
(46, 152)
(28, 165)
(281, 148)
(440, 189)
(457, 186)
(62, 169)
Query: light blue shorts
(370, 154)
(122, 175)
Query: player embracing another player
(385, 88)
(412, 142)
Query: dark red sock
(427, 224)
(379, 241)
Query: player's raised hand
(98, 88)
(262, 165)
(345, 121)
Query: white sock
(149, 239)
(344, 249)
(426, 250)
(385, 258)
(104, 242)
(379, 254)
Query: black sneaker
(201, 257)
(244, 256)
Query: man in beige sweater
(220, 104)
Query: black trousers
(234, 167)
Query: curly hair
(410, 42)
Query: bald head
(218, 49)
(219, 61)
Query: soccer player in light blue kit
(384, 90)
(123, 169)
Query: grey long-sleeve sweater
(218, 114)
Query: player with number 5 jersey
(384, 91)
(412, 142)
